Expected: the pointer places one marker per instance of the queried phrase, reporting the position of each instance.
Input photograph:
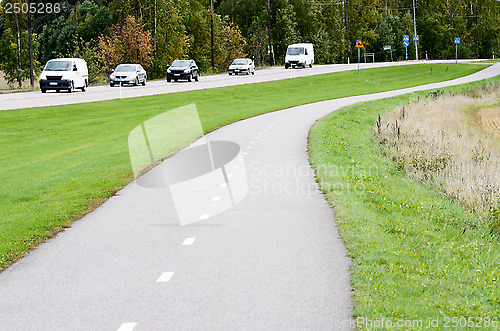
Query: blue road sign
(415, 37)
(406, 43)
(457, 41)
(406, 37)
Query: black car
(183, 69)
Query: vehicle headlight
(65, 77)
(186, 71)
(43, 76)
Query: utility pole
(212, 30)
(137, 10)
(271, 53)
(19, 78)
(347, 31)
(32, 82)
(156, 24)
(136, 51)
(415, 29)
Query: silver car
(128, 74)
(241, 66)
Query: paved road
(99, 93)
(273, 262)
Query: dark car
(183, 69)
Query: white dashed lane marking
(129, 326)
(188, 241)
(165, 277)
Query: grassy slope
(415, 254)
(59, 162)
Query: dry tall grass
(435, 141)
(4, 87)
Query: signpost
(359, 45)
(457, 42)
(388, 48)
(415, 41)
(406, 43)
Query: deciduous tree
(127, 42)
(14, 57)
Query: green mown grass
(415, 254)
(58, 163)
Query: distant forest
(154, 32)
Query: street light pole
(212, 31)
(347, 31)
(415, 30)
(137, 10)
(30, 43)
(271, 57)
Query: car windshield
(125, 68)
(181, 63)
(295, 51)
(239, 62)
(58, 66)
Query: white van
(299, 55)
(64, 74)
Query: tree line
(155, 32)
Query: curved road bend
(99, 93)
(273, 262)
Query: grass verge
(58, 163)
(416, 256)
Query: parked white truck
(299, 55)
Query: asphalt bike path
(273, 261)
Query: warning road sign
(359, 44)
